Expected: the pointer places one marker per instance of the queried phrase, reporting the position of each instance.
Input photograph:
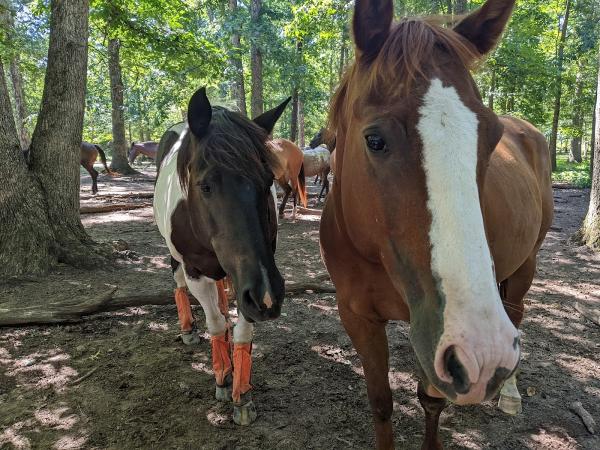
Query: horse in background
(324, 138)
(89, 154)
(436, 202)
(147, 148)
(291, 172)
(215, 206)
(316, 162)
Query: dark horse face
(132, 153)
(227, 170)
(415, 140)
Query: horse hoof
(244, 415)
(190, 338)
(223, 393)
(510, 405)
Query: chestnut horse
(215, 206)
(89, 154)
(291, 172)
(436, 202)
(147, 148)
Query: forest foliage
(170, 47)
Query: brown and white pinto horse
(214, 204)
(290, 176)
(436, 202)
(147, 148)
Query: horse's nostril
(454, 368)
(250, 299)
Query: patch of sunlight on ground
(40, 369)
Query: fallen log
(73, 308)
(96, 209)
(117, 196)
(66, 310)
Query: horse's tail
(102, 157)
(302, 186)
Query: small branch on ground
(585, 416)
(117, 196)
(84, 377)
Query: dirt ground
(144, 389)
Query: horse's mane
(233, 142)
(408, 49)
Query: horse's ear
(371, 26)
(267, 120)
(483, 27)
(199, 113)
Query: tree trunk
(590, 231)
(294, 119)
(301, 135)
(256, 102)
(492, 89)
(558, 81)
(577, 121)
(39, 209)
(238, 90)
(343, 53)
(460, 7)
(119, 154)
(20, 106)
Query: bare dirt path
(122, 380)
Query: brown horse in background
(436, 202)
(291, 177)
(147, 148)
(89, 154)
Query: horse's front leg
(370, 341)
(244, 410)
(205, 290)
(433, 404)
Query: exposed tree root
(112, 207)
(589, 313)
(117, 196)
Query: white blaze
(460, 257)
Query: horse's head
(132, 153)
(414, 142)
(227, 171)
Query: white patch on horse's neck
(460, 256)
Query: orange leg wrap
(220, 357)
(242, 369)
(184, 310)
(223, 301)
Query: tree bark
(20, 105)
(577, 120)
(558, 81)
(238, 90)
(343, 52)
(256, 66)
(590, 231)
(294, 117)
(39, 209)
(301, 134)
(119, 158)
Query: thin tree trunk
(343, 52)
(294, 119)
(590, 231)
(238, 90)
(256, 66)
(492, 89)
(20, 106)
(119, 158)
(301, 137)
(577, 120)
(558, 81)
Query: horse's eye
(376, 143)
(205, 188)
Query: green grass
(576, 174)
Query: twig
(585, 416)
(348, 443)
(84, 377)
(113, 207)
